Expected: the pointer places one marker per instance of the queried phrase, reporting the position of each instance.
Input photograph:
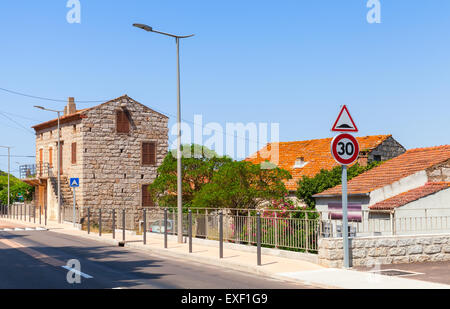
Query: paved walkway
(272, 266)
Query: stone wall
(112, 171)
(439, 172)
(368, 251)
(387, 150)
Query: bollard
(114, 224)
(45, 215)
(34, 213)
(190, 230)
(89, 220)
(100, 222)
(145, 227)
(258, 238)
(123, 225)
(165, 228)
(40, 220)
(221, 234)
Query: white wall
(408, 183)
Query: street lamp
(59, 160)
(179, 182)
(9, 159)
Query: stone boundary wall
(369, 251)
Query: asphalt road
(35, 260)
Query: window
(300, 163)
(122, 123)
(74, 128)
(377, 158)
(147, 200)
(149, 153)
(74, 153)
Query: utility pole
(9, 171)
(179, 156)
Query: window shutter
(147, 200)
(74, 153)
(149, 153)
(122, 123)
(50, 155)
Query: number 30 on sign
(345, 149)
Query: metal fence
(289, 230)
(398, 222)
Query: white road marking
(78, 272)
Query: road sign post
(345, 150)
(74, 183)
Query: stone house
(415, 184)
(308, 158)
(114, 149)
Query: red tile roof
(410, 162)
(80, 114)
(315, 152)
(411, 196)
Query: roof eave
(338, 195)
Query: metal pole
(258, 238)
(40, 219)
(344, 217)
(145, 227)
(89, 220)
(45, 215)
(221, 234)
(9, 155)
(165, 228)
(74, 202)
(34, 213)
(100, 222)
(59, 171)
(179, 176)
(123, 224)
(114, 223)
(190, 230)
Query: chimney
(71, 107)
(363, 158)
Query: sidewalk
(272, 266)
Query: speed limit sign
(345, 149)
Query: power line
(47, 99)
(102, 101)
(10, 119)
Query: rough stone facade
(369, 251)
(387, 150)
(109, 164)
(439, 172)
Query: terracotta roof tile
(410, 162)
(411, 196)
(315, 152)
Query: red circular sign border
(334, 146)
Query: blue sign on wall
(74, 182)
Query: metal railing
(398, 222)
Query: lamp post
(59, 159)
(9, 160)
(179, 171)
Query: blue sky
(290, 62)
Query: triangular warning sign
(344, 122)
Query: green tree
(198, 166)
(17, 188)
(308, 186)
(242, 185)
